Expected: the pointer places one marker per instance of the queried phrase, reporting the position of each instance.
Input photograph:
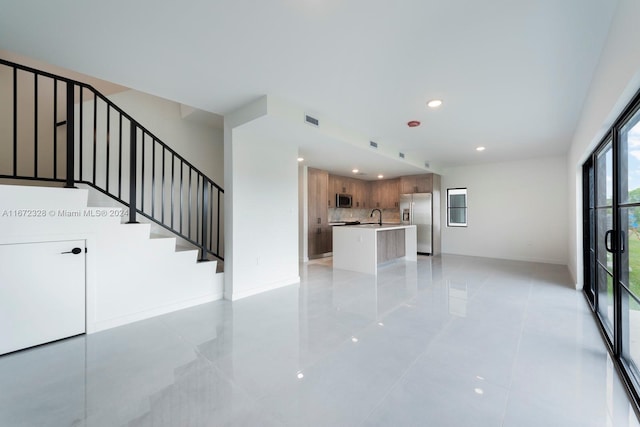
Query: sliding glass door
(604, 235)
(588, 225)
(611, 227)
(629, 219)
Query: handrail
(109, 102)
(193, 183)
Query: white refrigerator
(415, 209)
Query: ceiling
(513, 75)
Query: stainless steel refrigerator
(415, 209)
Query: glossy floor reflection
(446, 341)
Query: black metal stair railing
(98, 144)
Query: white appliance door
(422, 221)
(42, 293)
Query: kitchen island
(363, 247)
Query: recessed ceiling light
(413, 123)
(480, 149)
(434, 103)
(301, 159)
(380, 176)
(355, 171)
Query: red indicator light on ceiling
(413, 123)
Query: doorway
(42, 293)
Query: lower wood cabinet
(391, 244)
(320, 240)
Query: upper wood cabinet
(385, 194)
(416, 184)
(360, 194)
(357, 188)
(337, 185)
(382, 194)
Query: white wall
(261, 204)
(616, 79)
(303, 213)
(265, 214)
(516, 210)
(129, 276)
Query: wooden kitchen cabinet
(360, 194)
(385, 194)
(357, 188)
(337, 185)
(391, 244)
(319, 241)
(416, 184)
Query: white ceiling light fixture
(380, 176)
(301, 159)
(480, 148)
(355, 171)
(434, 103)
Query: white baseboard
(250, 292)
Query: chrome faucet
(380, 212)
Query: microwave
(343, 200)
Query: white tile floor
(450, 341)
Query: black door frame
(628, 373)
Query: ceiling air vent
(373, 144)
(311, 120)
(401, 155)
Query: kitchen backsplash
(362, 215)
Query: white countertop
(376, 227)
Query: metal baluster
(205, 206)
(35, 125)
(95, 135)
(210, 210)
(55, 128)
(153, 177)
(15, 122)
(71, 161)
(133, 174)
(173, 164)
(197, 206)
(181, 175)
(81, 89)
(108, 143)
(162, 202)
(120, 155)
(189, 200)
(218, 229)
(142, 175)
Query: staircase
(54, 129)
(156, 240)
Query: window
(456, 207)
